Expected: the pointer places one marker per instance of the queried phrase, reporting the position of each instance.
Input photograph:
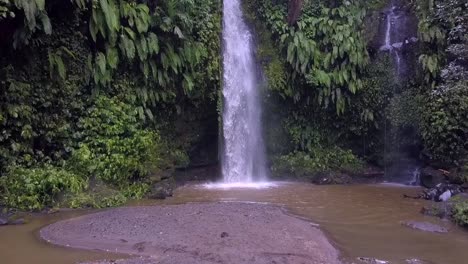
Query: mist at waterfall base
(243, 160)
(399, 32)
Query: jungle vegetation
(110, 92)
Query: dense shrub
(307, 165)
(113, 146)
(460, 212)
(36, 188)
(445, 124)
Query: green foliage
(131, 35)
(96, 200)
(325, 49)
(34, 14)
(441, 23)
(37, 114)
(443, 29)
(445, 124)
(36, 188)
(316, 161)
(102, 196)
(113, 147)
(88, 87)
(460, 211)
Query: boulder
(445, 196)
(442, 192)
(162, 189)
(425, 226)
(19, 221)
(3, 221)
(332, 178)
(430, 177)
(372, 261)
(415, 261)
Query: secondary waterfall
(397, 36)
(243, 159)
(392, 23)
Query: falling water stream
(244, 156)
(396, 35)
(392, 18)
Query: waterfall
(392, 20)
(243, 159)
(398, 35)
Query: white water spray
(244, 154)
(389, 45)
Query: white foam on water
(240, 185)
(398, 185)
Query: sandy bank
(198, 233)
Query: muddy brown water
(361, 221)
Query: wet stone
(425, 226)
(372, 261)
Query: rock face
(425, 226)
(198, 233)
(430, 177)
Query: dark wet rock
(431, 177)
(200, 173)
(332, 178)
(19, 221)
(52, 211)
(162, 189)
(440, 193)
(425, 226)
(416, 261)
(3, 221)
(372, 261)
